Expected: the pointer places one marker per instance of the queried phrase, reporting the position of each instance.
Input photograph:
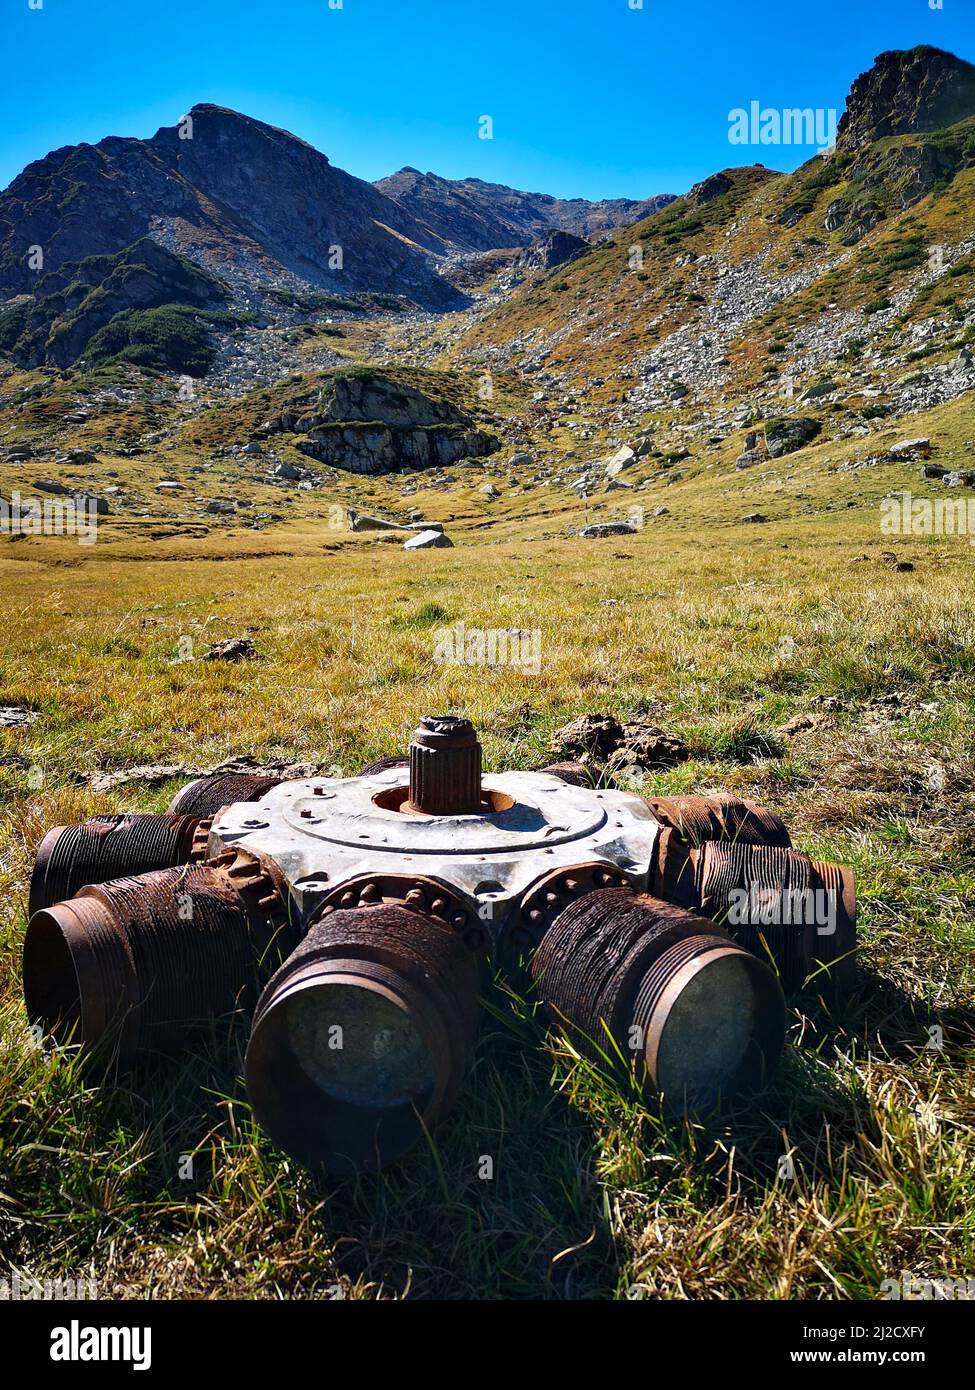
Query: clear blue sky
(589, 97)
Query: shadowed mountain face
(81, 299)
(236, 194)
(477, 216)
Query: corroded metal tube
(141, 963)
(361, 1039)
(208, 795)
(103, 848)
(641, 986)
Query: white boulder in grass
(428, 540)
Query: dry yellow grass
(722, 632)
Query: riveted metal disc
(327, 833)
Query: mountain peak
(906, 92)
(230, 124)
(226, 189)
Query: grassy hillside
(816, 263)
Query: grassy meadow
(721, 632)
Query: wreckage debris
(659, 933)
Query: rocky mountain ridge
(261, 207)
(228, 192)
(476, 216)
(816, 308)
(908, 92)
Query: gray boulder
(428, 540)
(607, 528)
(97, 504)
(623, 458)
(787, 435)
(909, 450)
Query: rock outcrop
(72, 304)
(907, 93)
(368, 422)
(554, 249)
(788, 435)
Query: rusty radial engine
(351, 919)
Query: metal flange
(415, 892)
(554, 891)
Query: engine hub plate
(322, 832)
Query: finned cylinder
(784, 906)
(699, 819)
(361, 1039)
(155, 957)
(445, 768)
(106, 847)
(208, 795)
(642, 986)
